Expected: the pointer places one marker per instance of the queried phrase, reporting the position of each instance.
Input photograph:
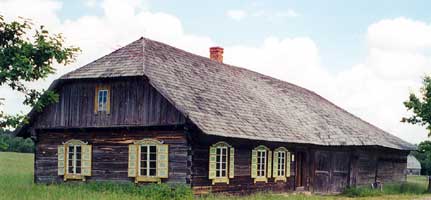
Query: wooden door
(300, 179)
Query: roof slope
(224, 100)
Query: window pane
(152, 172)
(70, 168)
(153, 164)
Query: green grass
(16, 182)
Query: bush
(15, 144)
(388, 189)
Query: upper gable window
(102, 99)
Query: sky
(365, 56)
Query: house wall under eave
(110, 153)
(325, 170)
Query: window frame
(286, 161)
(67, 174)
(222, 179)
(147, 178)
(148, 160)
(106, 107)
(267, 165)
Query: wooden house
(152, 113)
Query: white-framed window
(281, 165)
(261, 163)
(281, 158)
(148, 160)
(102, 99)
(221, 161)
(74, 159)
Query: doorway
(300, 180)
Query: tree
(24, 60)
(420, 106)
(423, 154)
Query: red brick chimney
(216, 53)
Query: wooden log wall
(134, 102)
(383, 166)
(242, 183)
(331, 171)
(110, 154)
(336, 169)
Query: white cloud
(288, 13)
(373, 89)
(91, 3)
(121, 23)
(237, 15)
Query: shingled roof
(229, 101)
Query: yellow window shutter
(86, 160)
(108, 100)
(96, 100)
(288, 164)
(60, 159)
(133, 159)
(162, 161)
(212, 163)
(269, 164)
(253, 164)
(232, 162)
(275, 166)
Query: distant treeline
(15, 144)
(423, 154)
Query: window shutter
(132, 160)
(108, 101)
(287, 164)
(253, 164)
(60, 159)
(212, 163)
(232, 162)
(162, 161)
(86, 160)
(275, 166)
(269, 165)
(96, 100)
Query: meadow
(16, 183)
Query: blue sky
(337, 26)
(365, 56)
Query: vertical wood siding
(334, 169)
(110, 154)
(134, 102)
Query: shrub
(15, 144)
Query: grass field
(16, 182)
